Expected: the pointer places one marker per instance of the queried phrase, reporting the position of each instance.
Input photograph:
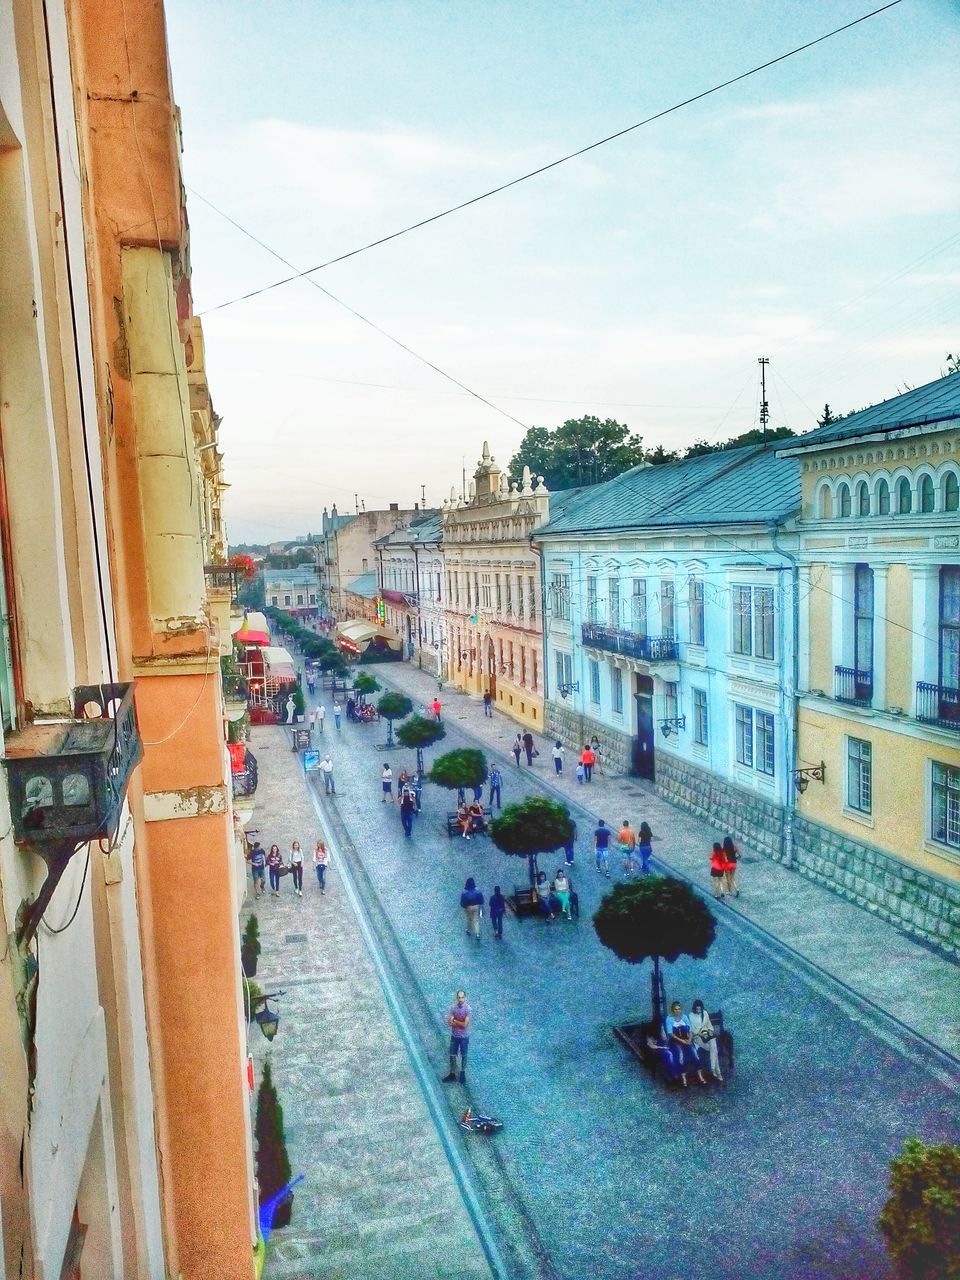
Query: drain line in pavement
(422, 1069)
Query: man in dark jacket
(528, 746)
(471, 900)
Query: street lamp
(673, 725)
(266, 1018)
(801, 777)
(565, 690)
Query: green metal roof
(923, 406)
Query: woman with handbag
(705, 1036)
(274, 865)
(296, 868)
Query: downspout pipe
(790, 797)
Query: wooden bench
(641, 1040)
(526, 902)
(453, 825)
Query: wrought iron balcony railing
(245, 782)
(855, 687)
(630, 644)
(938, 704)
(221, 577)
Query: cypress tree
(273, 1164)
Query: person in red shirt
(435, 708)
(719, 866)
(588, 759)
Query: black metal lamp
(266, 1018)
(801, 777)
(565, 690)
(672, 725)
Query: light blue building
(670, 632)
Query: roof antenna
(763, 361)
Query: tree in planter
(656, 918)
(419, 732)
(250, 946)
(252, 992)
(299, 703)
(532, 827)
(273, 1164)
(393, 706)
(364, 685)
(457, 770)
(921, 1220)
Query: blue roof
(429, 529)
(923, 406)
(750, 485)
(365, 585)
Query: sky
(809, 214)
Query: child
(580, 771)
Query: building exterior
(360, 597)
(347, 551)
(494, 602)
(411, 585)
(125, 1145)
(296, 591)
(880, 658)
(669, 636)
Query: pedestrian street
(786, 1163)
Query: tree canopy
(532, 826)
(420, 732)
(921, 1220)
(459, 769)
(581, 451)
(365, 684)
(655, 916)
(394, 706)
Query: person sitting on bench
(683, 1053)
(477, 821)
(464, 821)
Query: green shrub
(921, 1220)
(273, 1163)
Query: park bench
(526, 902)
(453, 825)
(641, 1039)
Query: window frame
(668, 609)
(594, 670)
(616, 691)
(859, 776)
(701, 718)
(743, 735)
(948, 627)
(926, 494)
(949, 785)
(697, 618)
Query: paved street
(785, 1165)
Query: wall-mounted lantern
(801, 777)
(673, 725)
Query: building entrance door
(491, 670)
(643, 754)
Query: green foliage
(299, 703)
(251, 933)
(655, 916)
(420, 732)
(273, 1163)
(365, 684)
(237, 729)
(251, 991)
(459, 769)
(921, 1220)
(953, 364)
(394, 706)
(533, 826)
(581, 451)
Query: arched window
(863, 499)
(883, 498)
(904, 496)
(951, 492)
(844, 492)
(826, 503)
(927, 496)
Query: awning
(277, 663)
(355, 634)
(253, 630)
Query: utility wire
(305, 276)
(553, 164)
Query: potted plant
(393, 706)
(532, 827)
(273, 1163)
(419, 732)
(921, 1220)
(252, 992)
(250, 946)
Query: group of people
(591, 757)
(471, 818)
(635, 847)
(689, 1042)
(723, 868)
(273, 863)
(409, 794)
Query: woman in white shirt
(296, 867)
(705, 1036)
(321, 860)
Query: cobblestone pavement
(902, 977)
(782, 1170)
(380, 1198)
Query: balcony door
(863, 632)
(491, 669)
(643, 743)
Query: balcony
(245, 782)
(852, 686)
(629, 644)
(938, 704)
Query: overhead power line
(553, 164)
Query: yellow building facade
(879, 656)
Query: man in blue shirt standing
(601, 841)
(458, 1020)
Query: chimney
(394, 506)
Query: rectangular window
(486, 598)
(638, 607)
(616, 690)
(763, 622)
(945, 805)
(275, 601)
(613, 603)
(764, 753)
(594, 683)
(859, 775)
(744, 738)
(499, 592)
(666, 608)
(863, 619)
(671, 701)
(593, 614)
(313, 598)
(520, 608)
(535, 674)
(300, 600)
(700, 717)
(561, 596)
(742, 600)
(696, 611)
(949, 649)
(286, 600)
(753, 621)
(564, 670)
(532, 598)
(508, 594)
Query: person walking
(568, 848)
(597, 749)
(579, 771)
(321, 861)
(418, 790)
(321, 716)
(337, 713)
(435, 708)
(730, 875)
(326, 769)
(588, 759)
(488, 704)
(517, 748)
(471, 901)
(258, 865)
(557, 754)
(627, 842)
(496, 782)
(459, 1018)
(718, 870)
(601, 843)
(408, 807)
(296, 867)
(386, 781)
(274, 863)
(529, 747)
(645, 846)
(498, 907)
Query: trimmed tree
(393, 706)
(921, 1220)
(419, 732)
(532, 827)
(364, 685)
(250, 946)
(655, 918)
(457, 770)
(273, 1163)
